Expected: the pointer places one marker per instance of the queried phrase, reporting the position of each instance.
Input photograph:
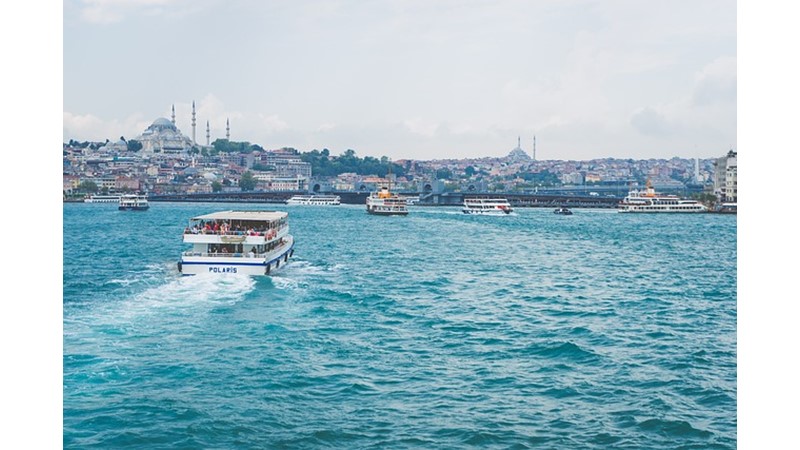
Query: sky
(415, 79)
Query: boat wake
(191, 292)
(296, 273)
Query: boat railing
(272, 232)
(233, 255)
(224, 255)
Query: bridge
(533, 200)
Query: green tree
(88, 186)
(134, 145)
(247, 182)
(444, 174)
(469, 171)
(216, 186)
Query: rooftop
(264, 216)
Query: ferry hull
(487, 213)
(134, 208)
(388, 213)
(236, 265)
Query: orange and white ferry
(649, 201)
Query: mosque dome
(164, 136)
(162, 124)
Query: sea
(436, 330)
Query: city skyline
(411, 79)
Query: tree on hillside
(247, 182)
(88, 186)
(134, 145)
(469, 171)
(216, 186)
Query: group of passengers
(214, 227)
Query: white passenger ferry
(133, 202)
(384, 203)
(649, 201)
(237, 242)
(315, 200)
(487, 206)
(102, 198)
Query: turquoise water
(436, 330)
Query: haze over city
(411, 79)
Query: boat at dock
(102, 198)
(133, 202)
(315, 200)
(487, 206)
(649, 201)
(385, 203)
(237, 242)
(724, 208)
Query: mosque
(518, 154)
(162, 136)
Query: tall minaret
(194, 125)
(518, 142)
(228, 129)
(534, 147)
(696, 170)
(208, 134)
(173, 114)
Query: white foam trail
(204, 291)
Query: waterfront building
(725, 179)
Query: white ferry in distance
(237, 242)
(133, 202)
(101, 198)
(315, 200)
(487, 206)
(649, 201)
(384, 203)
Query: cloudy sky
(413, 78)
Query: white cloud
(716, 82)
(421, 127)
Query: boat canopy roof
(259, 216)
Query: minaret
(697, 170)
(194, 125)
(228, 129)
(534, 147)
(173, 114)
(208, 134)
(518, 143)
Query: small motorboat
(563, 211)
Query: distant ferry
(237, 242)
(649, 201)
(411, 199)
(98, 198)
(487, 206)
(315, 200)
(384, 203)
(725, 208)
(133, 202)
